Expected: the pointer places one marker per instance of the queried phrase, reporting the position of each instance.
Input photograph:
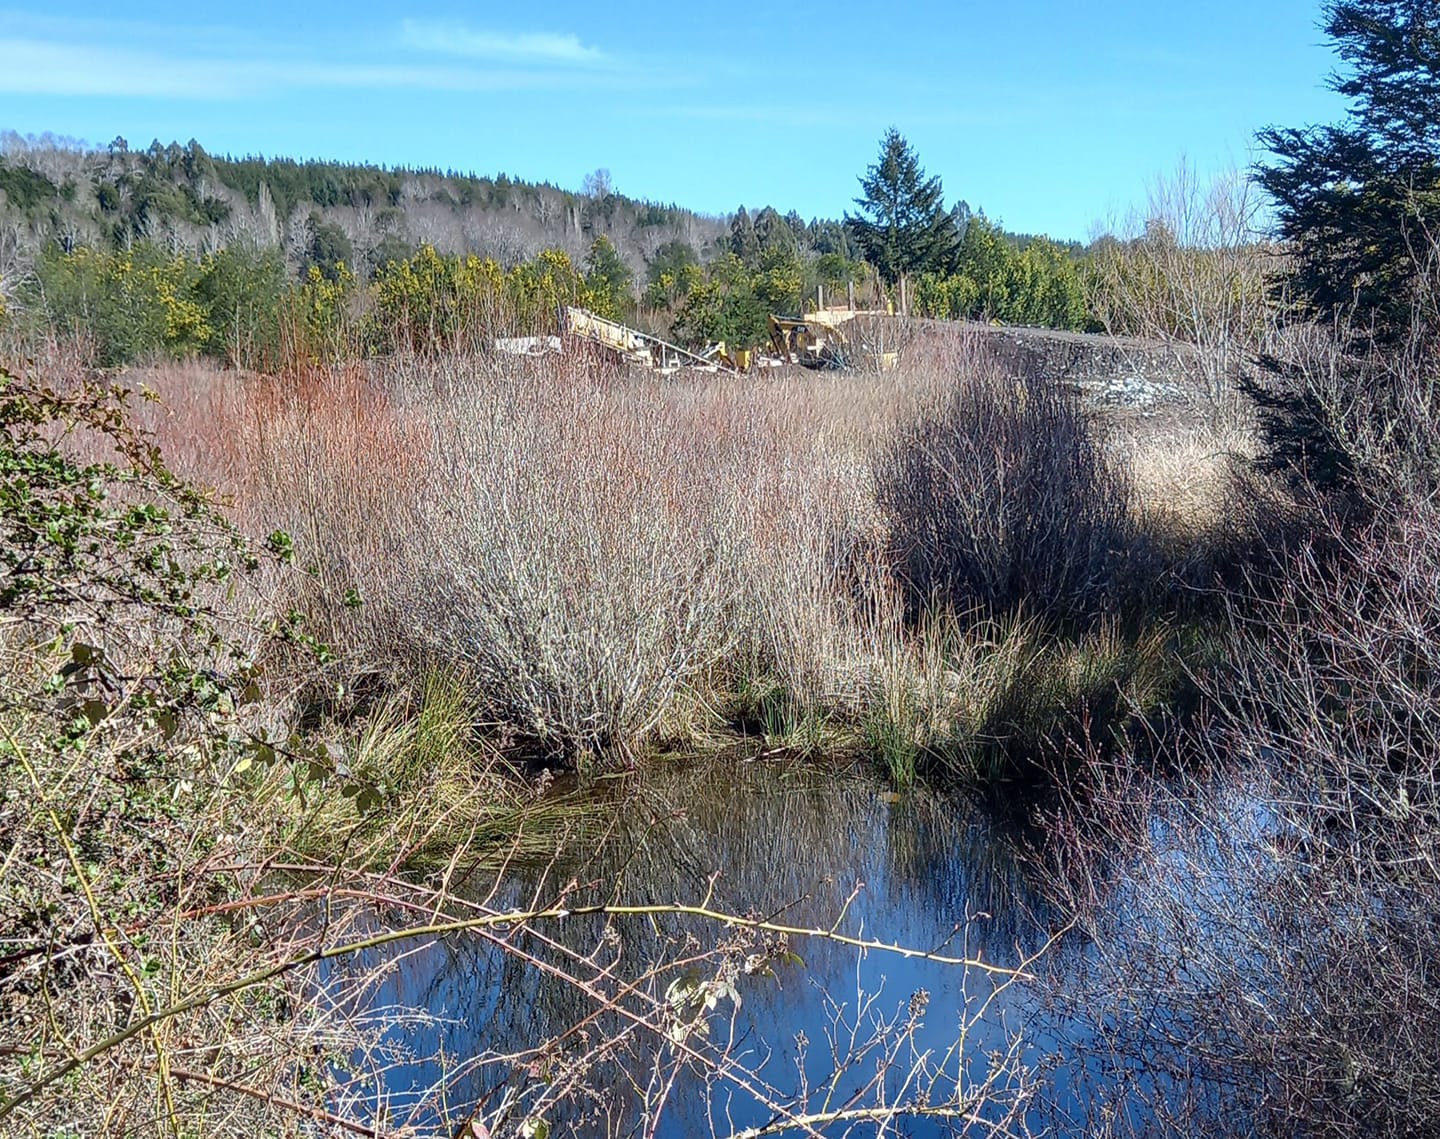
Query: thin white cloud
(37, 66)
(529, 47)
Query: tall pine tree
(1358, 204)
(903, 227)
(743, 242)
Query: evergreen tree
(780, 282)
(835, 237)
(726, 307)
(903, 227)
(672, 273)
(609, 279)
(1358, 201)
(960, 217)
(772, 232)
(674, 258)
(329, 249)
(743, 242)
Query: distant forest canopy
(88, 233)
(185, 199)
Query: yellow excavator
(818, 340)
(809, 342)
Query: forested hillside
(185, 199)
(171, 251)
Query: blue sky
(1050, 115)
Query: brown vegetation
(1003, 496)
(1280, 900)
(194, 896)
(1193, 271)
(614, 562)
(547, 562)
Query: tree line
(71, 214)
(241, 305)
(671, 272)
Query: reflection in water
(792, 844)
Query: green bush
(242, 289)
(133, 305)
(1038, 285)
(727, 307)
(433, 302)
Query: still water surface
(808, 848)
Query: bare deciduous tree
(598, 184)
(1191, 270)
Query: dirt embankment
(1180, 457)
(1112, 371)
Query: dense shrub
(127, 659)
(557, 563)
(242, 289)
(1002, 497)
(136, 304)
(322, 316)
(1359, 424)
(995, 279)
(145, 303)
(437, 303)
(1279, 919)
(726, 307)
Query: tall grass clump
(1001, 496)
(595, 555)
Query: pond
(672, 1024)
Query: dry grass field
(613, 562)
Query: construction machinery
(820, 340)
(630, 346)
(828, 338)
(808, 343)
